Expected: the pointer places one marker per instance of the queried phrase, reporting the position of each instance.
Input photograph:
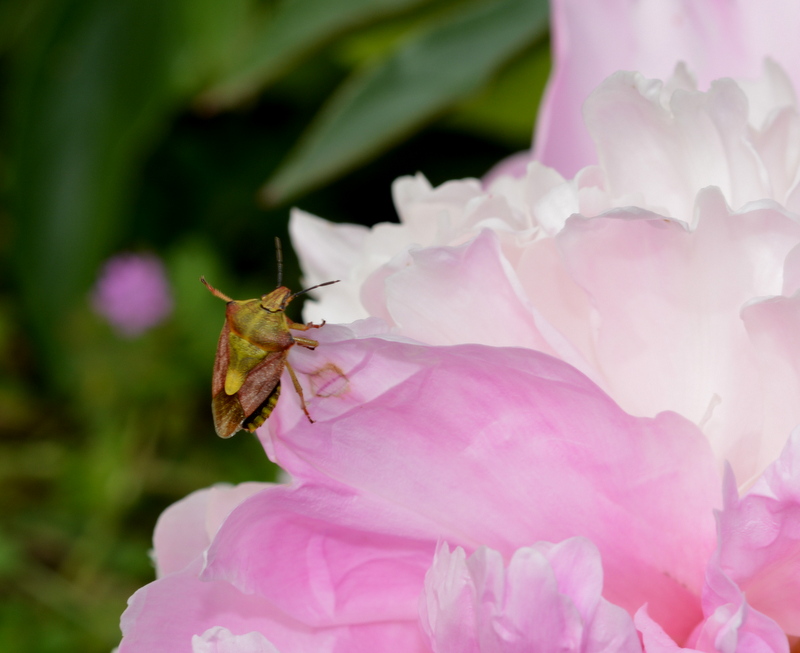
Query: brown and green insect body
(252, 353)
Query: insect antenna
(279, 257)
(319, 285)
(214, 291)
(300, 292)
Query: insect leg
(305, 342)
(304, 327)
(299, 390)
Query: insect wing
(221, 361)
(226, 409)
(251, 405)
(228, 413)
(261, 382)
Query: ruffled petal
(593, 40)
(760, 539)
(546, 598)
(663, 146)
(731, 624)
(662, 314)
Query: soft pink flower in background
(132, 293)
(611, 465)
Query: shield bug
(252, 353)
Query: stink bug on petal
(252, 353)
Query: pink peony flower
(472, 446)
(563, 415)
(132, 294)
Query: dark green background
(187, 129)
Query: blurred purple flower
(132, 293)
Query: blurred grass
(139, 126)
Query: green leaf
(94, 86)
(296, 28)
(18, 18)
(209, 39)
(92, 91)
(506, 109)
(442, 66)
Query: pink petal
(760, 539)
(167, 615)
(189, 610)
(326, 248)
(774, 112)
(454, 281)
(731, 625)
(654, 639)
(562, 302)
(595, 39)
(773, 325)
(334, 557)
(665, 156)
(663, 308)
(547, 455)
(547, 598)
(448, 605)
(425, 211)
(327, 252)
(513, 166)
(185, 529)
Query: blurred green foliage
(183, 128)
